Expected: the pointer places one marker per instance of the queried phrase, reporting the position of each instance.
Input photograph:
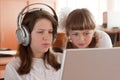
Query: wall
(9, 10)
(52, 3)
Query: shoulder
(11, 69)
(103, 38)
(13, 63)
(101, 33)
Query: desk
(4, 60)
(116, 32)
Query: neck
(38, 55)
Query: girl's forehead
(43, 24)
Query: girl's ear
(69, 39)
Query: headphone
(22, 34)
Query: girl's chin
(81, 46)
(44, 50)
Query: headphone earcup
(23, 36)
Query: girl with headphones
(35, 60)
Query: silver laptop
(91, 64)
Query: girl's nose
(81, 37)
(45, 37)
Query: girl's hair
(25, 53)
(80, 19)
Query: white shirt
(38, 72)
(104, 40)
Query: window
(97, 7)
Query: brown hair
(25, 53)
(80, 19)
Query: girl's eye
(51, 32)
(86, 33)
(76, 34)
(40, 32)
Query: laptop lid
(91, 64)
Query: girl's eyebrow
(45, 29)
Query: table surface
(4, 60)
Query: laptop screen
(91, 64)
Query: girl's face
(81, 38)
(41, 37)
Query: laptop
(91, 64)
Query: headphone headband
(21, 13)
